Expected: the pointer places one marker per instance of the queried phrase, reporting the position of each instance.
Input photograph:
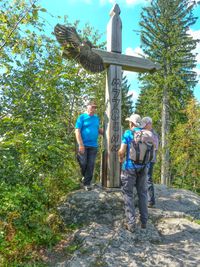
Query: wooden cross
(115, 63)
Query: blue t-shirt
(126, 139)
(89, 129)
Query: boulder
(172, 237)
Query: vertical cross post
(112, 138)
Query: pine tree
(127, 104)
(164, 26)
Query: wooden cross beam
(129, 63)
(115, 62)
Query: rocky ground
(172, 237)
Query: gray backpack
(142, 147)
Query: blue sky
(96, 13)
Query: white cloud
(137, 52)
(134, 95)
(191, 2)
(197, 70)
(196, 35)
(135, 2)
(198, 56)
(128, 2)
(132, 78)
(104, 2)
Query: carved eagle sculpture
(75, 48)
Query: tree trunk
(165, 174)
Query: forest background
(41, 96)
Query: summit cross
(115, 62)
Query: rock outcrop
(172, 237)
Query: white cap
(135, 119)
(146, 120)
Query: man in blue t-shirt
(86, 132)
(133, 175)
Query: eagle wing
(74, 48)
(67, 36)
(90, 60)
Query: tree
(127, 104)
(165, 39)
(185, 149)
(41, 96)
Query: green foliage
(73, 247)
(41, 96)
(165, 39)
(197, 221)
(185, 150)
(127, 104)
(23, 221)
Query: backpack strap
(151, 153)
(148, 154)
(137, 149)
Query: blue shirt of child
(89, 129)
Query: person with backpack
(147, 124)
(87, 131)
(134, 170)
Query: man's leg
(91, 156)
(141, 186)
(128, 180)
(151, 197)
(82, 160)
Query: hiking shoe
(143, 226)
(87, 188)
(151, 205)
(82, 180)
(130, 227)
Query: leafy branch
(23, 15)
